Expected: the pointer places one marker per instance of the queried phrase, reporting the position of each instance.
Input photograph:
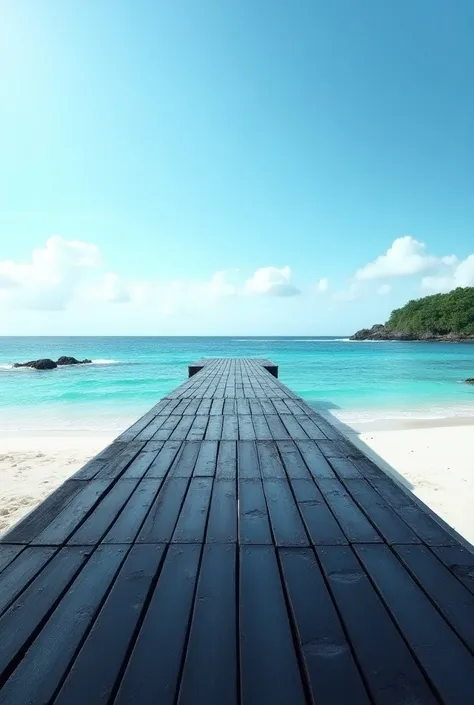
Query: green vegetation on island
(447, 317)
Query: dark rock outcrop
(380, 332)
(72, 361)
(48, 364)
(469, 380)
(44, 364)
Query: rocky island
(47, 364)
(441, 317)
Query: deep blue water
(356, 380)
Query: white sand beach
(32, 465)
(433, 459)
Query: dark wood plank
(132, 432)
(246, 429)
(267, 407)
(115, 467)
(268, 660)
(333, 674)
(222, 525)
(210, 673)
(130, 520)
(310, 428)
(243, 407)
(138, 467)
(254, 523)
(204, 407)
(229, 407)
(182, 428)
(149, 431)
(161, 464)
(315, 460)
(17, 576)
(20, 624)
(152, 673)
(214, 428)
(277, 429)
(87, 681)
(262, 431)
(185, 461)
(423, 627)
(192, 520)
(330, 449)
(160, 522)
(198, 428)
(452, 599)
(345, 469)
(460, 562)
(247, 461)
(295, 466)
(226, 467)
(417, 518)
(230, 428)
(297, 433)
(8, 554)
(104, 514)
(36, 678)
(320, 522)
(353, 521)
(386, 521)
(390, 671)
(65, 522)
(217, 408)
(206, 459)
(167, 428)
(40, 517)
(287, 526)
(271, 467)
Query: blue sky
(221, 167)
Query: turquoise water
(358, 381)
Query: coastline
(433, 458)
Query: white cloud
(113, 289)
(271, 281)
(322, 285)
(384, 289)
(52, 277)
(406, 256)
(66, 271)
(461, 274)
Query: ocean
(357, 381)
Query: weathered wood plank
(254, 523)
(65, 522)
(41, 516)
(222, 525)
(427, 633)
(147, 680)
(333, 674)
(87, 682)
(192, 520)
(104, 514)
(269, 663)
(161, 519)
(130, 520)
(390, 671)
(36, 678)
(19, 624)
(210, 673)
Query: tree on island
(441, 316)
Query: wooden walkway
(232, 547)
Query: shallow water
(357, 381)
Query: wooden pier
(232, 547)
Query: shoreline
(432, 458)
